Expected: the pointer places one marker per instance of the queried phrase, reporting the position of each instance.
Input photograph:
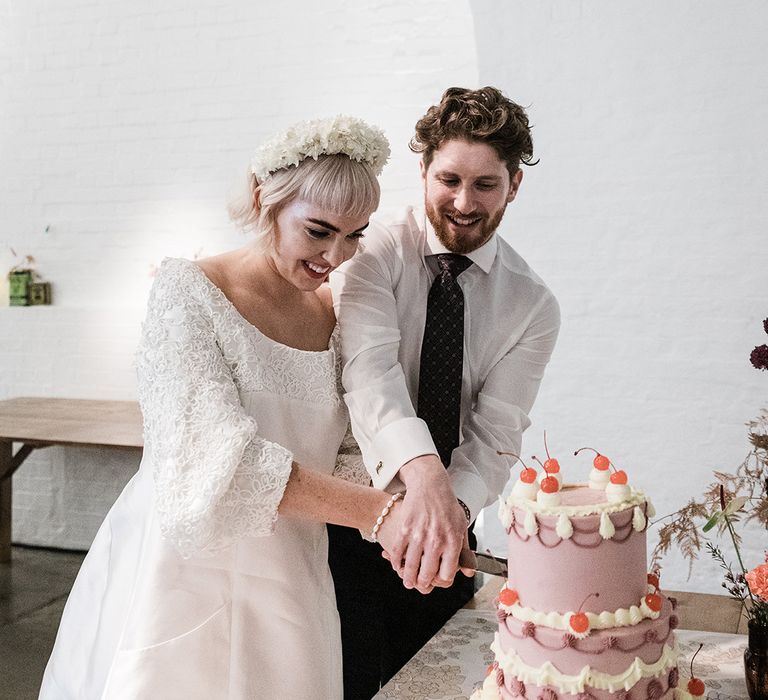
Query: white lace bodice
(213, 389)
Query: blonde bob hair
(333, 182)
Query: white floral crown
(353, 137)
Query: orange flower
(758, 581)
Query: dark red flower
(759, 357)
(529, 629)
(674, 677)
(610, 642)
(673, 622)
(548, 694)
(650, 636)
(569, 640)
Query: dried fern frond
(749, 481)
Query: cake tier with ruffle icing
(585, 553)
(605, 663)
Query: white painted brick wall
(647, 216)
(124, 128)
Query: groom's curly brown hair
(483, 115)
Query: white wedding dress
(193, 587)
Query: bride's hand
(391, 532)
(467, 561)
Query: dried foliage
(730, 500)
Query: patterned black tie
(442, 356)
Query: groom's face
(466, 190)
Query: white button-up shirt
(511, 321)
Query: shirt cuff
(471, 489)
(394, 445)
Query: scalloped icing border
(623, 617)
(546, 674)
(490, 691)
(533, 509)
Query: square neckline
(217, 292)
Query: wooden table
(43, 422)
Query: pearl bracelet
(384, 514)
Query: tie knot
(453, 264)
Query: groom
(446, 332)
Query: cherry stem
(693, 657)
(539, 461)
(597, 595)
(546, 449)
(586, 448)
(512, 454)
(599, 454)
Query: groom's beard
(475, 236)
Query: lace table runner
(453, 662)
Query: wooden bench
(43, 422)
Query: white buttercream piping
(598, 478)
(488, 691)
(546, 674)
(623, 617)
(636, 498)
(638, 519)
(525, 491)
(607, 530)
(650, 511)
(618, 493)
(564, 527)
(548, 500)
(531, 526)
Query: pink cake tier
(560, 556)
(637, 661)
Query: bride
(208, 578)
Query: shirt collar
(483, 256)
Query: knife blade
(484, 562)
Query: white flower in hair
(353, 137)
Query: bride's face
(311, 242)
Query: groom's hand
(433, 526)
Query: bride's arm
(328, 499)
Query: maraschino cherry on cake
(580, 618)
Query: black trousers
(383, 624)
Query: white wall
(124, 127)
(647, 217)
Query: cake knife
(484, 562)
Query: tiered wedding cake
(579, 617)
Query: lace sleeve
(349, 462)
(215, 479)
